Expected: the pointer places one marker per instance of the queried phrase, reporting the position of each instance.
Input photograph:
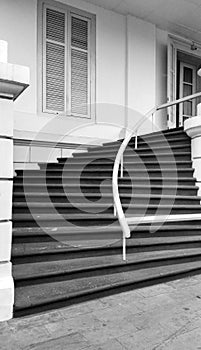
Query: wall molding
(50, 144)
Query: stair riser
(89, 210)
(62, 170)
(104, 170)
(83, 199)
(92, 167)
(153, 137)
(155, 181)
(102, 251)
(164, 235)
(112, 154)
(108, 173)
(96, 189)
(63, 222)
(183, 156)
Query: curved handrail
(117, 202)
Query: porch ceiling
(182, 17)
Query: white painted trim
(55, 138)
(126, 73)
(183, 44)
(163, 218)
(171, 85)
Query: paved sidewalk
(166, 316)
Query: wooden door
(187, 86)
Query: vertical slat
(54, 61)
(80, 72)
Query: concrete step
(106, 187)
(36, 272)
(50, 295)
(132, 156)
(137, 180)
(133, 197)
(106, 164)
(183, 147)
(143, 142)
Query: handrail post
(152, 121)
(122, 166)
(136, 140)
(115, 210)
(124, 247)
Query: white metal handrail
(118, 210)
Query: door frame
(176, 44)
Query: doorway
(182, 81)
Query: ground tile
(186, 338)
(73, 341)
(110, 345)
(75, 324)
(155, 290)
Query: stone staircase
(67, 243)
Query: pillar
(14, 80)
(192, 126)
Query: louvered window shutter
(54, 61)
(80, 61)
(67, 60)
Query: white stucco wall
(161, 76)
(18, 26)
(145, 63)
(141, 69)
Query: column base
(192, 126)
(6, 291)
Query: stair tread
(100, 177)
(56, 247)
(109, 185)
(74, 161)
(145, 154)
(154, 134)
(98, 229)
(38, 173)
(141, 141)
(109, 195)
(89, 156)
(63, 290)
(105, 169)
(70, 216)
(99, 205)
(54, 268)
(105, 165)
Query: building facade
(131, 62)
(96, 69)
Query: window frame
(41, 28)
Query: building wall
(131, 76)
(141, 71)
(161, 77)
